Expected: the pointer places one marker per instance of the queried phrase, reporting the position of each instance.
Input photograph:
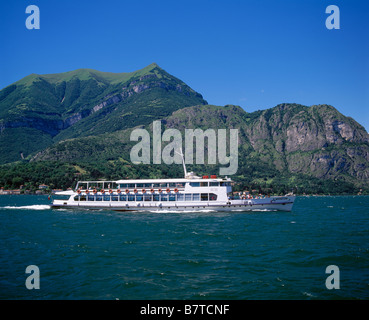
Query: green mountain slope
(85, 102)
(289, 146)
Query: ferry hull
(267, 204)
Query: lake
(111, 255)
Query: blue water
(194, 255)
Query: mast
(183, 161)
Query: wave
(31, 207)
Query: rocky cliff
(316, 140)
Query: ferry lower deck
(272, 204)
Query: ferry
(182, 194)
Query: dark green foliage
(15, 142)
(31, 175)
(261, 179)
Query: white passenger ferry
(183, 194)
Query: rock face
(316, 140)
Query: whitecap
(308, 294)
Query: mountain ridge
(52, 104)
(83, 119)
(67, 75)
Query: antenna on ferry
(183, 161)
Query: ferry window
(163, 185)
(106, 198)
(147, 185)
(180, 185)
(114, 185)
(114, 198)
(172, 185)
(131, 197)
(203, 184)
(195, 184)
(156, 185)
(188, 196)
(82, 198)
(90, 198)
(214, 184)
(123, 185)
(172, 197)
(82, 185)
(98, 198)
(76, 198)
(156, 197)
(139, 185)
(131, 185)
(164, 197)
(213, 196)
(139, 197)
(147, 197)
(123, 198)
(180, 197)
(204, 197)
(196, 197)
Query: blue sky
(255, 54)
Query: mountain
(289, 143)
(85, 134)
(41, 109)
(317, 141)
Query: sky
(255, 54)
